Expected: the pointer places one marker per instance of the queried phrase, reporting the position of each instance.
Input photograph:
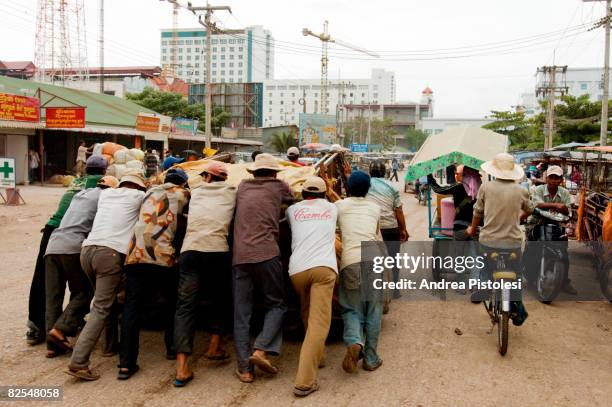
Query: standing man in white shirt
(81, 159)
(313, 270)
(362, 307)
(102, 259)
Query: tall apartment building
(285, 99)
(245, 55)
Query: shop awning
(201, 139)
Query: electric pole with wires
(548, 87)
(211, 28)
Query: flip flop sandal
(182, 382)
(373, 367)
(83, 374)
(263, 364)
(243, 378)
(303, 393)
(223, 356)
(62, 344)
(126, 373)
(53, 353)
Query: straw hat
(133, 177)
(503, 167)
(264, 161)
(109, 181)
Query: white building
(284, 99)
(431, 125)
(582, 81)
(245, 55)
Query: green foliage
(282, 141)
(521, 131)
(415, 138)
(175, 105)
(382, 132)
(577, 119)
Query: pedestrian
(205, 267)
(256, 264)
(151, 263)
(62, 265)
(362, 306)
(255, 154)
(102, 258)
(500, 204)
(151, 163)
(33, 164)
(392, 220)
(293, 155)
(313, 270)
(395, 169)
(95, 169)
(81, 159)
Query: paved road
(561, 356)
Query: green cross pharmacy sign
(7, 172)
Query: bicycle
(498, 305)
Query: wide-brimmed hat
(503, 167)
(108, 181)
(264, 161)
(314, 184)
(133, 177)
(216, 168)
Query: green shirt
(88, 181)
(541, 195)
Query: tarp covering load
(469, 146)
(292, 175)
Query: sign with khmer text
(19, 108)
(65, 117)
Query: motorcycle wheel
(550, 279)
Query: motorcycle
(551, 274)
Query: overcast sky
(435, 41)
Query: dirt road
(561, 356)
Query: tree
(175, 105)
(577, 119)
(522, 132)
(382, 132)
(282, 141)
(415, 138)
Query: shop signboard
(317, 128)
(19, 108)
(65, 117)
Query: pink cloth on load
(447, 212)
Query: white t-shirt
(113, 226)
(82, 154)
(313, 235)
(358, 220)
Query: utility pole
(211, 28)
(549, 88)
(605, 22)
(101, 40)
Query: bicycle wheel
(550, 279)
(502, 333)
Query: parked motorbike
(551, 274)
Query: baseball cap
(96, 161)
(170, 161)
(216, 168)
(108, 181)
(176, 176)
(554, 170)
(314, 184)
(293, 151)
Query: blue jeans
(269, 277)
(362, 319)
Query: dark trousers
(36, 303)
(394, 174)
(62, 269)
(140, 280)
(391, 238)
(209, 273)
(267, 276)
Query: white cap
(293, 151)
(554, 170)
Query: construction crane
(325, 40)
(171, 70)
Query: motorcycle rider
(549, 197)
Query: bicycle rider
(500, 204)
